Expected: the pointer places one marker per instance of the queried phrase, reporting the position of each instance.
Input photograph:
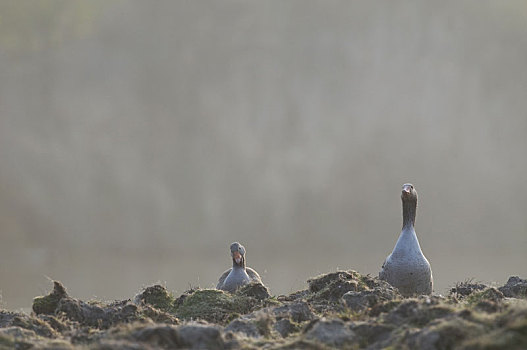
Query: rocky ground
(342, 309)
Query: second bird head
(238, 253)
(408, 193)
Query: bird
(406, 268)
(239, 275)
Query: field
(342, 309)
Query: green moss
(209, 304)
(321, 282)
(158, 297)
(254, 290)
(48, 304)
(44, 305)
(215, 306)
(325, 289)
(332, 286)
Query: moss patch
(158, 297)
(48, 304)
(323, 284)
(254, 290)
(215, 306)
(332, 286)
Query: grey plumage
(406, 268)
(251, 274)
(239, 274)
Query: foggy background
(139, 139)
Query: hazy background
(138, 139)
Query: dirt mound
(210, 305)
(342, 309)
(515, 288)
(466, 288)
(332, 286)
(96, 315)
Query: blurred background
(139, 139)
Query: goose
(406, 268)
(239, 274)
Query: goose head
(409, 193)
(238, 254)
(409, 198)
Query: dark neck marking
(409, 211)
(240, 265)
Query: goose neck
(409, 212)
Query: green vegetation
(48, 304)
(158, 297)
(215, 306)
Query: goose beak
(237, 257)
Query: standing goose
(406, 268)
(238, 275)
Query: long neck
(241, 265)
(409, 210)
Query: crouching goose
(239, 274)
(406, 268)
